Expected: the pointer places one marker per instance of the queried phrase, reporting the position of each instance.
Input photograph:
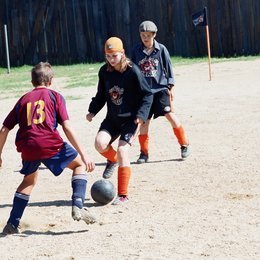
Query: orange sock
(180, 134)
(110, 154)
(144, 143)
(124, 174)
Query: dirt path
(206, 207)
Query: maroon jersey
(38, 114)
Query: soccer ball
(103, 191)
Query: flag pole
(209, 54)
(201, 19)
(7, 49)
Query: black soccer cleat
(185, 151)
(109, 170)
(143, 158)
(10, 229)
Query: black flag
(200, 18)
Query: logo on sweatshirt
(149, 66)
(116, 95)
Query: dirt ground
(206, 207)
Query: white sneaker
(119, 200)
(82, 214)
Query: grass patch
(176, 60)
(73, 97)
(16, 81)
(19, 80)
(80, 75)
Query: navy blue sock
(79, 184)
(19, 204)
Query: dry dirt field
(206, 207)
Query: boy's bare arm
(70, 134)
(3, 136)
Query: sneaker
(120, 200)
(143, 158)
(10, 229)
(82, 214)
(185, 151)
(109, 170)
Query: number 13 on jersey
(39, 112)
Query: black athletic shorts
(124, 128)
(161, 104)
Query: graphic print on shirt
(116, 95)
(40, 113)
(149, 66)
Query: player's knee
(100, 146)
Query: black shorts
(124, 128)
(161, 104)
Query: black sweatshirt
(127, 94)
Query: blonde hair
(42, 74)
(124, 64)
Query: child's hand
(139, 121)
(171, 94)
(90, 116)
(90, 165)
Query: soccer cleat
(82, 214)
(143, 158)
(10, 229)
(109, 170)
(185, 151)
(120, 200)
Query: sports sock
(110, 154)
(180, 134)
(144, 143)
(124, 174)
(20, 202)
(79, 184)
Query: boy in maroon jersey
(38, 114)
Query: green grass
(19, 80)
(80, 75)
(176, 60)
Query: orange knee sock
(110, 154)
(144, 143)
(180, 134)
(124, 174)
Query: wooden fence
(74, 31)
